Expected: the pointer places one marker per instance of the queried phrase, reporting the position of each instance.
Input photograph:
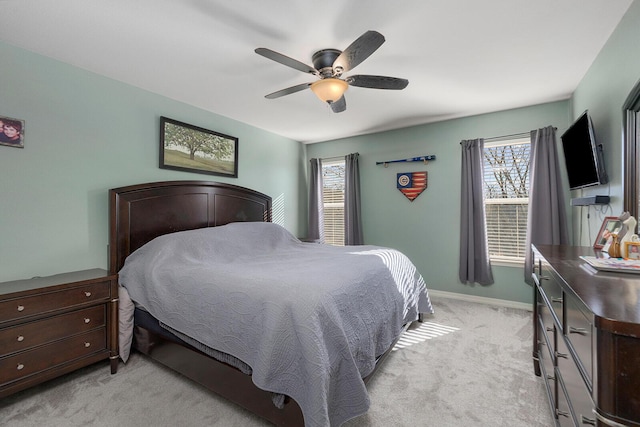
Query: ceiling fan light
(330, 89)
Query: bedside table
(53, 325)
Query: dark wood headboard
(139, 213)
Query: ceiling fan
(330, 64)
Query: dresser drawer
(563, 409)
(32, 334)
(19, 308)
(546, 321)
(552, 290)
(579, 333)
(581, 403)
(38, 359)
(545, 348)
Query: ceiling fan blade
(285, 60)
(377, 82)
(358, 51)
(339, 106)
(288, 91)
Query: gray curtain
(475, 265)
(547, 218)
(352, 208)
(315, 226)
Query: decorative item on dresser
(53, 325)
(586, 338)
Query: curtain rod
(513, 135)
(332, 158)
(336, 157)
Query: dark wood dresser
(53, 325)
(586, 339)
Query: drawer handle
(87, 320)
(562, 413)
(589, 421)
(21, 308)
(579, 331)
(551, 377)
(87, 344)
(20, 367)
(543, 278)
(87, 294)
(561, 355)
(556, 299)
(20, 338)
(550, 328)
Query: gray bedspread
(309, 319)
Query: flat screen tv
(583, 157)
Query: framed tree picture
(191, 148)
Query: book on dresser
(53, 325)
(586, 343)
(616, 265)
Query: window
(506, 198)
(333, 196)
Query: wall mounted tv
(583, 157)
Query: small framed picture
(611, 224)
(11, 132)
(631, 250)
(191, 148)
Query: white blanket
(310, 319)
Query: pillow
(125, 323)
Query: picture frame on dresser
(190, 148)
(610, 224)
(631, 250)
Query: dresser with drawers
(586, 338)
(53, 325)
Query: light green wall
(427, 229)
(602, 91)
(85, 134)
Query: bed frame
(138, 214)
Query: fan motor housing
(323, 61)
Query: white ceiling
(461, 57)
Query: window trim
(502, 260)
(328, 163)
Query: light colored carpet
(469, 364)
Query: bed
(149, 221)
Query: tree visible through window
(333, 196)
(506, 197)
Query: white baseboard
(481, 300)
